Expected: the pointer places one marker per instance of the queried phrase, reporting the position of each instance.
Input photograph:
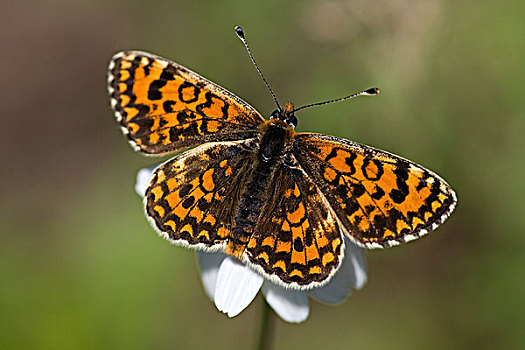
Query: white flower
(233, 285)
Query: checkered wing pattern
(163, 107)
(297, 241)
(192, 198)
(380, 199)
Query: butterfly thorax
(276, 136)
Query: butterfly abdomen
(273, 144)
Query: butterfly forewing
(297, 241)
(380, 199)
(164, 107)
(192, 198)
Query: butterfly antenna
(240, 34)
(368, 92)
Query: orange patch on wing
(311, 252)
(280, 264)
(298, 257)
(265, 257)
(364, 224)
(159, 210)
(126, 64)
(207, 180)
(235, 249)
(335, 244)
(187, 228)
(133, 128)
(215, 109)
(223, 232)
(180, 211)
(370, 170)
(296, 216)
(172, 183)
(210, 219)
(161, 176)
(157, 193)
(204, 234)
(328, 258)
(400, 225)
(173, 199)
(268, 241)
(321, 239)
(296, 273)
(417, 221)
(330, 174)
(154, 137)
(196, 213)
(130, 113)
(252, 243)
(296, 191)
(388, 234)
(171, 224)
(314, 270)
(124, 75)
(283, 247)
(339, 161)
(189, 93)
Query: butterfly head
(286, 114)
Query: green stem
(266, 328)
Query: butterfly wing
(192, 198)
(379, 198)
(297, 242)
(163, 107)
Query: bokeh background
(80, 266)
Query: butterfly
(279, 200)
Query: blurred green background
(80, 266)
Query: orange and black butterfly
(279, 200)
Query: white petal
(143, 179)
(357, 256)
(237, 285)
(351, 274)
(291, 305)
(209, 264)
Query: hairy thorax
(276, 138)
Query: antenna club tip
(239, 31)
(373, 91)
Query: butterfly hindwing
(380, 199)
(192, 198)
(163, 107)
(297, 242)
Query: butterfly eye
(275, 115)
(291, 120)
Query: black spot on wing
(401, 171)
(298, 244)
(154, 90)
(168, 106)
